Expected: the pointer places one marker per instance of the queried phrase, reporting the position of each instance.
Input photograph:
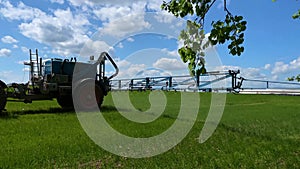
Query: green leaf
(202, 70)
(296, 15)
(202, 54)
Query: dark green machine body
(62, 80)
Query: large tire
(3, 98)
(65, 101)
(86, 99)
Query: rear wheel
(3, 98)
(65, 101)
(87, 99)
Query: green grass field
(256, 131)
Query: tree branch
(202, 19)
(226, 9)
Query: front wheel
(3, 98)
(87, 99)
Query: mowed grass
(256, 131)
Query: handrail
(102, 57)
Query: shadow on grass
(6, 115)
(110, 109)
(14, 114)
(58, 110)
(107, 109)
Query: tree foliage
(194, 46)
(296, 15)
(294, 78)
(230, 29)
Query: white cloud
(5, 52)
(92, 3)
(80, 2)
(8, 39)
(152, 72)
(94, 48)
(12, 77)
(248, 73)
(120, 45)
(169, 64)
(272, 71)
(26, 69)
(280, 68)
(165, 17)
(119, 21)
(24, 49)
(64, 32)
(130, 39)
(129, 70)
(21, 62)
(227, 67)
(123, 63)
(295, 64)
(154, 5)
(125, 25)
(15, 46)
(58, 1)
(5, 75)
(173, 53)
(267, 66)
(20, 12)
(253, 73)
(110, 13)
(134, 68)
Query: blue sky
(139, 39)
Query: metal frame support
(233, 74)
